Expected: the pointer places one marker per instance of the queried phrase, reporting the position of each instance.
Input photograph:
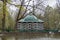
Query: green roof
(30, 18)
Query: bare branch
(25, 10)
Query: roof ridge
(31, 18)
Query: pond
(32, 36)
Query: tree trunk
(4, 12)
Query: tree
(1, 12)
(49, 18)
(58, 11)
(8, 21)
(4, 12)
